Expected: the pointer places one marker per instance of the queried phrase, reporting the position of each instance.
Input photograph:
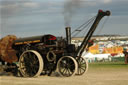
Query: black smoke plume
(70, 8)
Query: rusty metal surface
(8, 54)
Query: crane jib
(99, 16)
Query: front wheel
(67, 66)
(82, 66)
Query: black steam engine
(47, 53)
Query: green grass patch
(108, 65)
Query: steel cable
(82, 27)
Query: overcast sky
(37, 17)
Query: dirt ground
(94, 76)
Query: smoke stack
(68, 35)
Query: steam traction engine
(47, 53)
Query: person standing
(126, 55)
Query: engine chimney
(68, 35)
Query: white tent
(87, 55)
(102, 56)
(92, 57)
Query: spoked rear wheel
(82, 66)
(67, 66)
(30, 64)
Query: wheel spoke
(82, 69)
(34, 70)
(64, 70)
(70, 72)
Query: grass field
(108, 65)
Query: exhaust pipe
(68, 35)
